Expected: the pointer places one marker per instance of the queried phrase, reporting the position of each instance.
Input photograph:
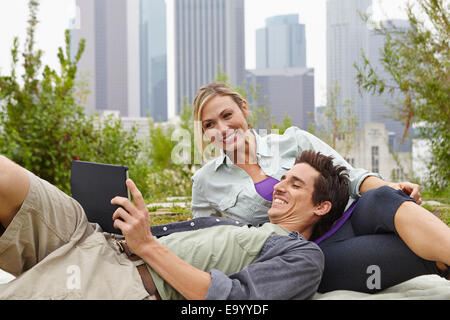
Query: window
(375, 159)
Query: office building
(381, 107)
(110, 62)
(124, 63)
(371, 150)
(347, 36)
(288, 92)
(153, 59)
(209, 35)
(281, 43)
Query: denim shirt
(222, 188)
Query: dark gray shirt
(288, 267)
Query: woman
(240, 182)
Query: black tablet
(94, 185)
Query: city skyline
(311, 14)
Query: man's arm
(289, 268)
(189, 281)
(134, 222)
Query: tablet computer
(94, 185)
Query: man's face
(292, 196)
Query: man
(55, 253)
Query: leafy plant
(417, 62)
(42, 126)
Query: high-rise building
(153, 59)
(347, 34)
(209, 35)
(110, 61)
(125, 59)
(281, 43)
(380, 106)
(287, 91)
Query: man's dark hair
(331, 185)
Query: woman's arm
(361, 180)
(200, 207)
(411, 189)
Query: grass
(442, 211)
(181, 214)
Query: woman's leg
(423, 232)
(387, 210)
(370, 263)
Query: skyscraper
(347, 34)
(380, 106)
(124, 62)
(281, 44)
(111, 58)
(287, 91)
(209, 34)
(153, 59)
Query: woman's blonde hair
(205, 94)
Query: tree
(417, 62)
(337, 129)
(42, 126)
(39, 120)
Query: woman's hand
(411, 189)
(133, 220)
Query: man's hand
(133, 220)
(411, 189)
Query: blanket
(427, 287)
(424, 287)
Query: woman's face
(224, 123)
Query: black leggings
(366, 254)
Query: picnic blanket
(424, 287)
(427, 287)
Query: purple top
(337, 224)
(265, 188)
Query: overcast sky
(54, 16)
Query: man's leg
(51, 248)
(38, 219)
(14, 186)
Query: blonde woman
(239, 184)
